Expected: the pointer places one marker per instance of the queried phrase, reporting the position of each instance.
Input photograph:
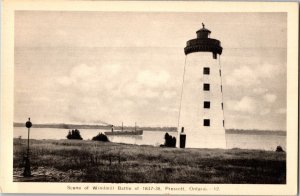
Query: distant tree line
(76, 126)
(255, 132)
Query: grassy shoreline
(91, 161)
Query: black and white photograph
(133, 97)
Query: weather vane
(203, 25)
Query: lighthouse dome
(203, 43)
(203, 33)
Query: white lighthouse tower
(201, 108)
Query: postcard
(149, 97)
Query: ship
(133, 132)
(125, 132)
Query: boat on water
(124, 132)
(133, 132)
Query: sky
(114, 67)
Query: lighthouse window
(206, 104)
(206, 70)
(215, 55)
(206, 122)
(206, 87)
(221, 89)
(220, 72)
(223, 123)
(222, 105)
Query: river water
(243, 141)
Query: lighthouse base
(206, 139)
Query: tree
(74, 135)
(101, 137)
(170, 141)
(279, 149)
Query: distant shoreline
(107, 127)
(255, 132)
(166, 129)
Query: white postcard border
(7, 99)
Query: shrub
(169, 141)
(279, 149)
(101, 137)
(74, 135)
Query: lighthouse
(201, 106)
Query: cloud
(150, 93)
(87, 77)
(265, 111)
(64, 81)
(268, 70)
(243, 76)
(270, 98)
(250, 105)
(252, 75)
(153, 79)
(260, 90)
(246, 105)
(134, 89)
(79, 75)
(281, 111)
(111, 69)
(61, 33)
(169, 109)
(108, 79)
(82, 71)
(169, 94)
(128, 103)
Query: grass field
(91, 161)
